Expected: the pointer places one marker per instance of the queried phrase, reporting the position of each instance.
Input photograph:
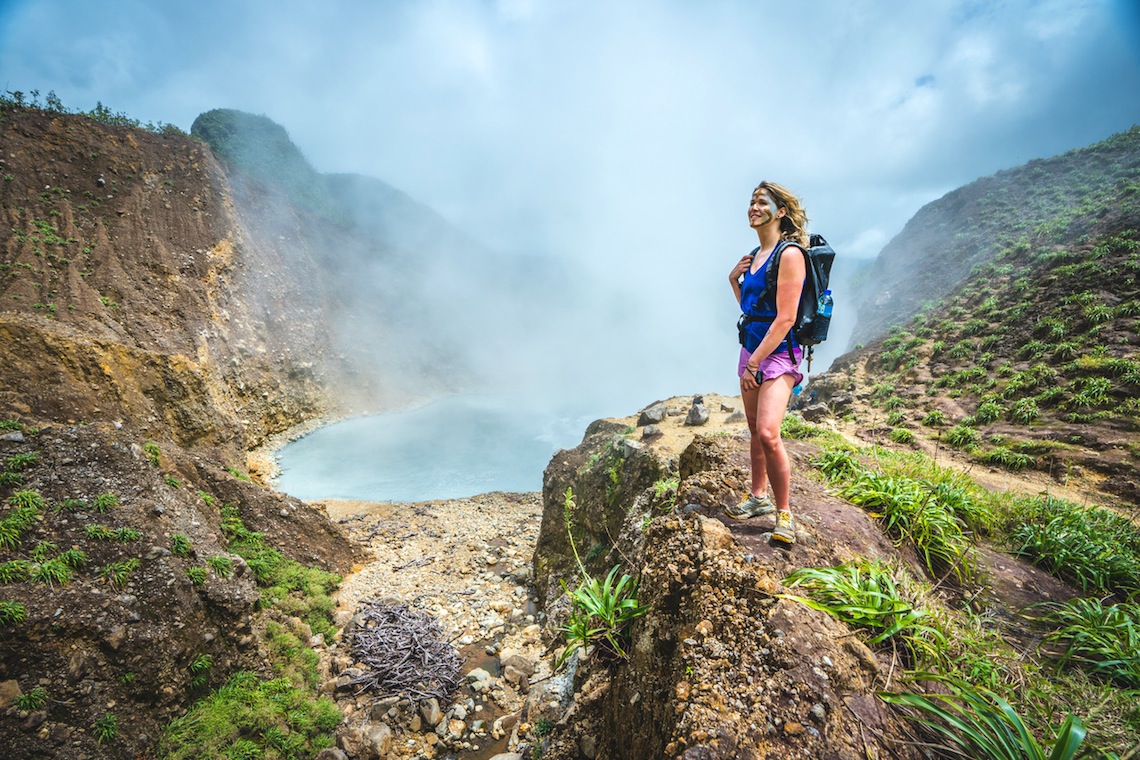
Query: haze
(623, 138)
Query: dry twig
(405, 653)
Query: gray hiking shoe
(785, 531)
(753, 506)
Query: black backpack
(810, 327)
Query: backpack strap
(770, 281)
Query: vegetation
(866, 595)
(975, 722)
(11, 99)
(248, 717)
(33, 700)
(286, 584)
(1104, 639)
(600, 611)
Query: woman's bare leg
(755, 450)
(770, 405)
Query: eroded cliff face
(721, 665)
(133, 293)
(148, 342)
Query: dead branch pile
(404, 652)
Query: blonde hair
(793, 225)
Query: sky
(624, 137)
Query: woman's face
(762, 209)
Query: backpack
(811, 325)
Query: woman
(769, 365)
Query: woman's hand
(741, 267)
(748, 380)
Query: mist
(614, 146)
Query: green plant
(912, 510)
(34, 700)
(222, 565)
(172, 481)
(248, 717)
(934, 418)
(105, 502)
(896, 418)
(43, 549)
(27, 499)
(200, 671)
(1024, 410)
(15, 571)
(1104, 639)
(962, 437)
(543, 727)
(12, 613)
(103, 533)
(1092, 547)
(286, 584)
(901, 435)
(152, 453)
(1010, 460)
(180, 545)
(600, 611)
(974, 722)
(866, 595)
(116, 573)
(106, 728)
(238, 474)
(51, 572)
(197, 575)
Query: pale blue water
(455, 447)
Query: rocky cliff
(149, 342)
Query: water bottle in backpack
(822, 319)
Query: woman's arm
(789, 285)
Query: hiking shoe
(785, 531)
(753, 506)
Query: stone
(588, 746)
(512, 675)
(698, 415)
(792, 728)
(518, 661)
(816, 412)
(651, 431)
(351, 740)
(380, 737)
(652, 415)
(9, 690)
(431, 712)
(507, 756)
(12, 435)
(331, 754)
(630, 447)
(735, 417)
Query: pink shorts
(775, 365)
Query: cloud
(624, 137)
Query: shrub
(12, 613)
(1024, 410)
(866, 595)
(901, 435)
(180, 545)
(934, 418)
(1102, 639)
(1092, 547)
(962, 437)
(197, 575)
(105, 502)
(975, 722)
(1011, 460)
(152, 453)
(31, 701)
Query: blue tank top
(750, 303)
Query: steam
(596, 158)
